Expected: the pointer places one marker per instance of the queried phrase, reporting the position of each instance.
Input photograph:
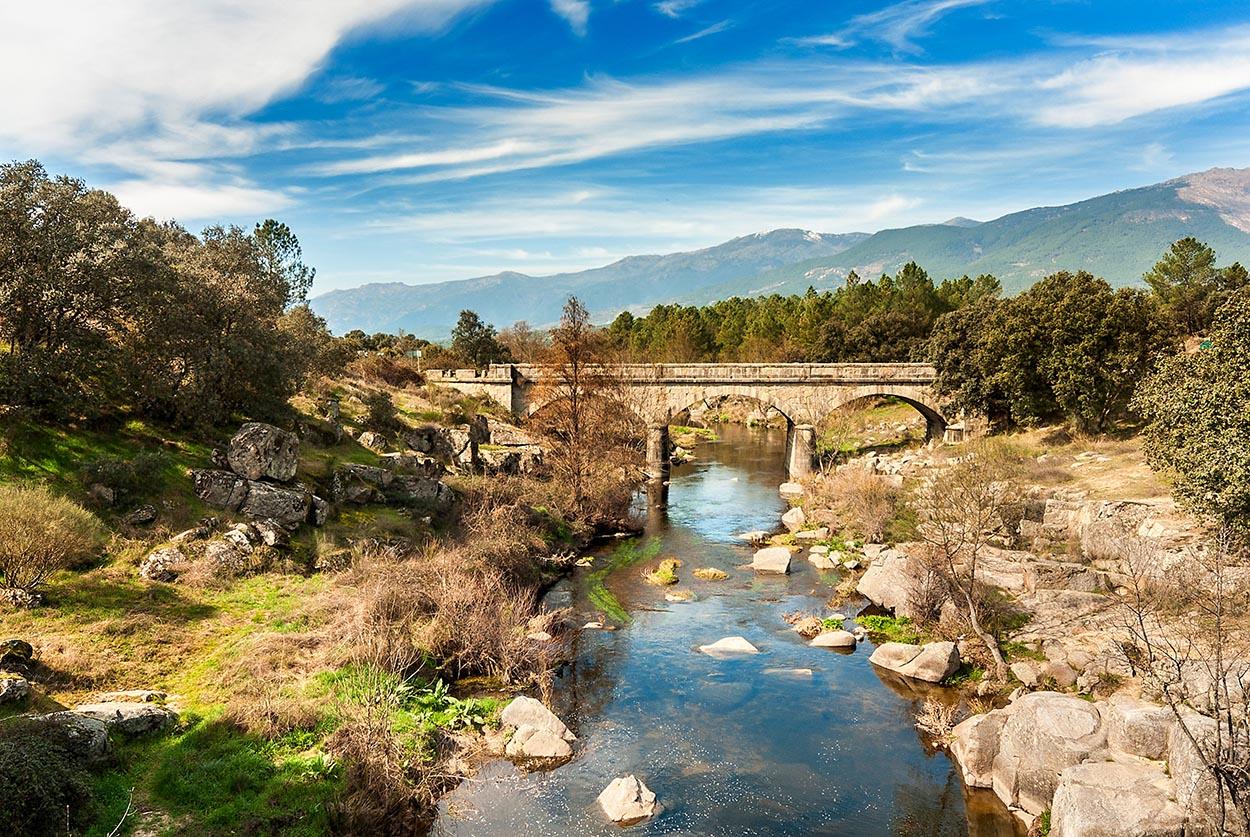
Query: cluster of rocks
(255, 478)
(16, 658)
(480, 445)
(1120, 766)
(533, 735)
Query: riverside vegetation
(338, 670)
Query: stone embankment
(1099, 761)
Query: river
(794, 740)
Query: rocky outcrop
(288, 506)
(130, 718)
(85, 737)
(16, 655)
(932, 663)
(262, 451)
(1115, 800)
(627, 801)
(888, 581)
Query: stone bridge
(662, 393)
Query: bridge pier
(800, 450)
(657, 452)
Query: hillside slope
(1117, 236)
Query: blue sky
(424, 140)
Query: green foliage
(1198, 409)
(40, 533)
(626, 554)
(129, 478)
(102, 313)
(477, 341)
(831, 624)
(42, 783)
(665, 573)
(966, 674)
(1189, 285)
(1069, 347)
(380, 414)
(889, 628)
(889, 319)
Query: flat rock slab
(790, 489)
(771, 559)
(1105, 798)
(130, 718)
(530, 742)
(627, 801)
(728, 647)
(931, 663)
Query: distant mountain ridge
(1118, 236)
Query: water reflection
(794, 740)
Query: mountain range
(1117, 236)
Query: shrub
(40, 533)
(42, 784)
(396, 372)
(128, 478)
(380, 411)
(864, 503)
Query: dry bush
(863, 503)
(40, 533)
(395, 372)
(937, 718)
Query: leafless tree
(959, 509)
(1188, 628)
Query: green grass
(966, 674)
(704, 433)
(890, 629)
(628, 553)
(1019, 651)
(831, 624)
(213, 778)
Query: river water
(794, 740)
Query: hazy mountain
(635, 282)
(1117, 236)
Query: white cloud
(155, 82)
(576, 12)
(675, 8)
(1138, 79)
(898, 25)
(349, 89)
(714, 29)
(192, 201)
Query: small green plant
(1043, 822)
(966, 673)
(889, 628)
(831, 624)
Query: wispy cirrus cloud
(676, 8)
(900, 25)
(714, 29)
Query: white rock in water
(791, 489)
(728, 646)
(834, 639)
(822, 561)
(627, 800)
(756, 536)
(525, 711)
(772, 559)
(530, 742)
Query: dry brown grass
(862, 503)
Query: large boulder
(413, 462)
(262, 451)
(888, 581)
(932, 663)
(420, 491)
(129, 718)
(287, 507)
(772, 559)
(974, 745)
(1104, 799)
(1045, 733)
(627, 801)
(220, 489)
(1138, 728)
